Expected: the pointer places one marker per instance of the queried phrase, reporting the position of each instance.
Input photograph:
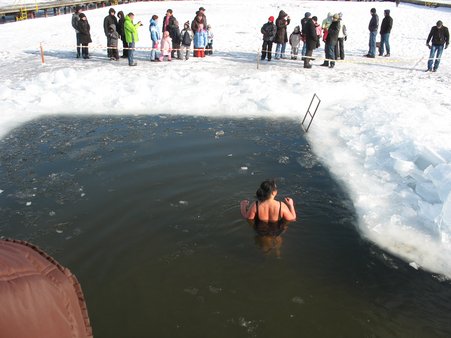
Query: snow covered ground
(383, 127)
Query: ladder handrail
(309, 113)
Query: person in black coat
(386, 25)
(269, 32)
(75, 20)
(331, 41)
(171, 25)
(121, 31)
(311, 40)
(372, 27)
(304, 20)
(439, 36)
(109, 20)
(283, 20)
(85, 35)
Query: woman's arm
(288, 211)
(248, 212)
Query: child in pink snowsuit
(166, 46)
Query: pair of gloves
(429, 46)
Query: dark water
(145, 211)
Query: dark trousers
(209, 49)
(266, 50)
(340, 49)
(114, 52)
(125, 51)
(330, 54)
(78, 45)
(109, 51)
(84, 50)
(307, 64)
(176, 50)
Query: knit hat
(336, 17)
(387, 11)
(77, 8)
(373, 10)
(271, 19)
(439, 23)
(82, 15)
(307, 14)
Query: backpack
(186, 40)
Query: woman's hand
(289, 201)
(244, 203)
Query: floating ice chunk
(28, 204)
(59, 231)
(428, 157)
(192, 291)
(229, 155)
(284, 160)
(1, 191)
(52, 213)
(403, 168)
(219, 133)
(213, 289)
(82, 194)
(297, 300)
(183, 202)
(445, 215)
(428, 192)
(244, 168)
(428, 210)
(441, 178)
(414, 265)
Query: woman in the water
(267, 209)
(268, 217)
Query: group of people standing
(167, 42)
(333, 33)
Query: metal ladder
(309, 113)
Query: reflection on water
(268, 236)
(145, 211)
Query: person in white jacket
(166, 46)
(342, 37)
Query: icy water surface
(145, 211)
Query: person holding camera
(131, 36)
(281, 39)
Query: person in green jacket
(131, 36)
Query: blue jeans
(385, 42)
(280, 51)
(330, 53)
(154, 53)
(372, 44)
(304, 48)
(436, 51)
(131, 52)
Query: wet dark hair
(267, 187)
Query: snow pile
(382, 128)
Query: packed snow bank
(382, 128)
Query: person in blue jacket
(155, 36)
(200, 41)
